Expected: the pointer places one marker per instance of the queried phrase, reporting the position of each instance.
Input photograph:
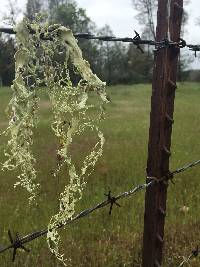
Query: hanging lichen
(43, 58)
(22, 109)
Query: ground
(102, 240)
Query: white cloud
(118, 14)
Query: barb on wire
(195, 48)
(194, 254)
(111, 200)
(136, 40)
(16, 243)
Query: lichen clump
(43, 58)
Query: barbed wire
(18, 242)
(194, 254)
(136, 40)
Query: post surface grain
(161, 120)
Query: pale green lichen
(72, 101)
(47, 63)
(22, 110)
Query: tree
(146, 16)
(33, 7)
(140, 65)
(184, 60)
(7, 46)
(147, 10)
(55, 3)
(70, 15)
(112, 60)
(7, 66)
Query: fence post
(169, 19)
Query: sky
(120, 15)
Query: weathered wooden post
(161, 120)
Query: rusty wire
(18, 242)
(194, 254)
(136, 40)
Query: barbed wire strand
(186, 260)
(194, 254)
(136, 40)
(18, 242)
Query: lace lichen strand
(40, 62)
(82, 66)
(22, 110)
(73, 101)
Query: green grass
(102, 240)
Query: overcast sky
(120, 15)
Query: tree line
(113, 62)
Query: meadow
(100, 240)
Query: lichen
(22, 109)
(44, 58)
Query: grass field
(101, 240)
